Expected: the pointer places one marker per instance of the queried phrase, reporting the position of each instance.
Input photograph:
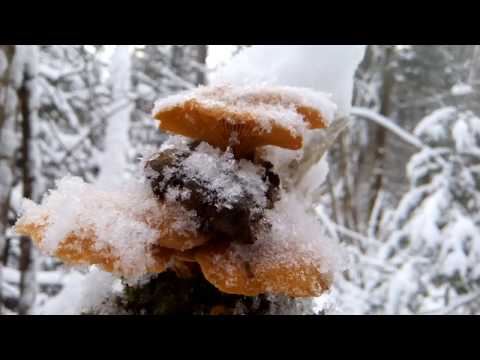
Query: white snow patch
(81, 293)
(324, 68)
(113, 161)
(461, 89)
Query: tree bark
(474, 75)
(202, 60)
(381, 132)
(27, 166)
(349, 210)
(7, 148)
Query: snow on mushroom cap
(245, 117)
(292, 256)
(255, 100)
(118, 226)
(325, 68)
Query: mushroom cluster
(211, 202)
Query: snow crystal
(325, 68)
(244, 99)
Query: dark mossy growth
(167, 294)
(236, 221)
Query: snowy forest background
(402, 193)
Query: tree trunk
(349, 211)
(202, 60)
(177, 61)
(7, 146)
(26, 261)
(473, 102)
(381, 132)
(474, 75)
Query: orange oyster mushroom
(226, 116)
(232, 274)
(216, 118)
(79, 249)
(218, 262)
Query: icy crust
(278, 103)
(225, 179)
(123, 221)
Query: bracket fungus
(205, 202)
(244, 117)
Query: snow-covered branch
(459, 302)
(388, 124)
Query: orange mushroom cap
(245, 117)
(80, 249)
(231, 273)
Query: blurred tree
(8, 110)
(435, 233)
(157, 71)
(370, 182)
(57, 104)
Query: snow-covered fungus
(207, 204)
(245, 117)
(131, 234)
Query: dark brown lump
(237, 221)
